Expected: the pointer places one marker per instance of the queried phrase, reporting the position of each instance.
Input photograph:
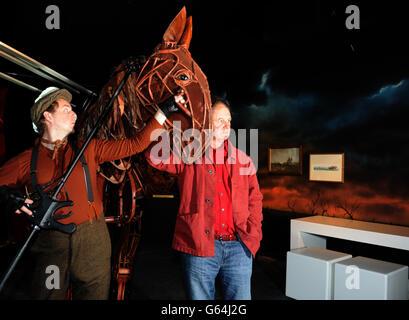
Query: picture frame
(327, 167)
(285, 160)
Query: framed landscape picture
(285, 160)
(327, 167)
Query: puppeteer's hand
(24, 208)
(14, 201)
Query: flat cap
(44, 100)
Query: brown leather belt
(225, 237)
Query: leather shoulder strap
(33, 166)
(87, 176)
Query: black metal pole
(51, 208)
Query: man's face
(63, 118)
(221, 119)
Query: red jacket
(194, 229)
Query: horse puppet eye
(183, 77)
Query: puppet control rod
(38, 68)
(28, 63)
(52, 204)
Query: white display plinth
(314, 230)
(310, 273)
(361, 278)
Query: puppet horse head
(169, 69)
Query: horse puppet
(125, 183)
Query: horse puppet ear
(187, 34)
(175, 30)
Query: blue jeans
(232, 260)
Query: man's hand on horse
(180, 97)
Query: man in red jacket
(218, 225)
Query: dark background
(290, 69)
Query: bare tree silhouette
(319, 205)
(314, 202)
(324, 204)
(348, 207)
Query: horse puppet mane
(126, 118)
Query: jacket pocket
(240, 217)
